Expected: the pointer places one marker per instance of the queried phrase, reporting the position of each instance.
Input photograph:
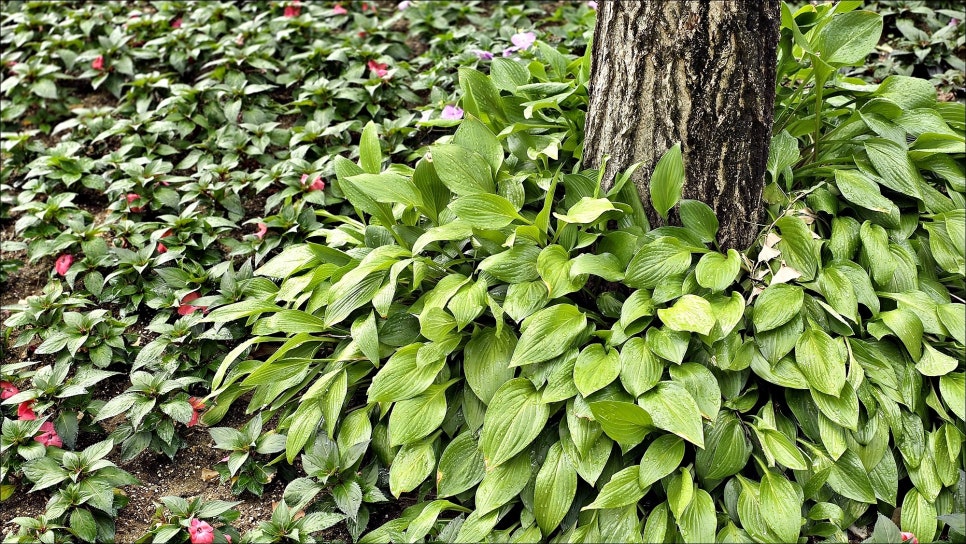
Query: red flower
(379, 69)
(316, 185)
(196, 406)
(909, 537)
(48, 435)
(176, 23)
(63, 264)
(339, 10)
(185, 308)
(161, 247)
(98, 63)
(131, 197)
(262, 230)
(365, 7)
(7, 390)
(201, 532)
(25, 412)
(294, 10)
(361, 34)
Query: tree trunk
(697, 72)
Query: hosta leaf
(656, 262)
(701, 384)
(503, 483)
(673, 409)
(935, 363)
(777, 305)
(842, 409)
(463, 171)
(596, 367)
(587, 210)
(516, 415)
(919, 516)
(401, 378)
(667, 180)
(548, 333)
(857, 188)
(850, 479)
(415, 418)
(821, 360)
(554, 266)
(411, 466)
(680, 491)
(485, 211)
(668, 344)
(698, 217)
(953, 389)
(460, 467)
(953, 317)
(554, 490)
(797, 246)
(622, 489)
(908, 327)
(716, 271)
(848, 38)
(697, 522)
(891, 161)
(726, 450)
(640, 369)
(780, 506)
(662, 457)
(486, 360)
(625, 422)
(690, 313)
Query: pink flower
(909, 537)
(379, 69)
(63, 264)
(523, 40)
(201, 532)
(98, 63)
(228, 538)
(185, 308)
(7, 390)
(131, 197)
(48, 435)
(510, 51)
(339, 10)
(451, 112)
(161, 247)
(294, 10)
(365, 7)
(403, 5)
(483, 55)
(176, 23)
(25, 412)
(196, 406)
(262, 231)
(591, 4)
(317, 183)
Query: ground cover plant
(382, 254)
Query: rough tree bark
(698, 72)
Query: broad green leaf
(848, 38)
(463, 171)
(891, 161)
(515, 265)
(401, 377)
(472, 134)
(486, 359)
(850, 479)
(777, 305)
(782, 154)
(702, 385)
(516, 415)
(697, 522)
(586, 211)
(919, 516)
(554, 266)
(667, 180)
(548, 333)
(690, 313)
(822, 360)
(935, 363)
(503, 483)
(726, 450)
(673, 409)
(780, 506)
(595, 368)
(661, 458)
(625, 422)
(680, 492)
(668, 344)
(857, 188)
(798, 248)
(82, 524)
(411, 466)
(839, 291)
(415, 418)
(716, 272)
(522, 299)
(622, 489)
(485, 211)
(460, 467)
(698, 217)
(657, 261)
(780, 448)
(908, 327)
(370, 154)
(640, 369)
(953, 389)
(554, 490)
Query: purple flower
(509, 51)
(403, 5)
(591, 4)
(523, 40)
(451, 113)
(953, 22)
(483, 55)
